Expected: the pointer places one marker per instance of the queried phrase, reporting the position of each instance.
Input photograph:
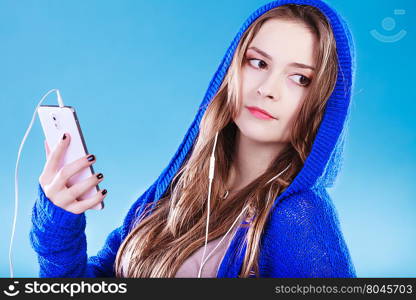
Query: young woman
(273, 117)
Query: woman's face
(278, 67)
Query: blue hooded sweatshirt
(302, 237)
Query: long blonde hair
(158, 244)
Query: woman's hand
(54, 181)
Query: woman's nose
(270, 88)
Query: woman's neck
(251, 159)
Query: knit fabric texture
(303, 236)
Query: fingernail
(104, 191)
(64, 136)
(99, 176)
(91, 157)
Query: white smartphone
(55, 121)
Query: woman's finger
(51, 166)
(47, 150)
(62, 176)
(79, 207)
(80, 188)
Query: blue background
(136, 72)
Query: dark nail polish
(99, 176)
(104, 191)
(64, 137)
(91, 157)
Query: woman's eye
(302, 80)
(255, 63)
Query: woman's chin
(259, 135)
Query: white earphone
(210, 178)
(16, 172)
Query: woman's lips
(259, 113)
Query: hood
(323, 163)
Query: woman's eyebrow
(294, 64)
(261, 52)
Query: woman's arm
(58, 237)
(306, 240)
